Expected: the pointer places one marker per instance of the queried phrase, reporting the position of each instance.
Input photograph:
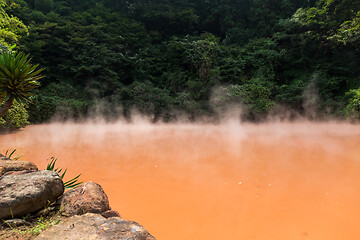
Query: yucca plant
(18, 78)
(68, 184)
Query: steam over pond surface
(209, 182)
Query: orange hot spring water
(214, 182)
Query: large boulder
(86, 198)
(27, 193)
(7, 165)
(95, 227)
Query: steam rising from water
(228, 181)
(311, 98)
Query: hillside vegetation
(192, 57)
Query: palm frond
(72, 183)
(18, 77)
(9, 155)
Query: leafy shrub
(352, 110)
(16, 117)
(146, 98)
(38, 16)
(253, 95)
(58, 98)
(44, 5)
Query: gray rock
(8, 165)
(24, 194)
(95, 227)
(18, 172)
(86, 198)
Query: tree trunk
(6, 107)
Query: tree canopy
(164, 57)
(11, 28)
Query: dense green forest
(192, 57)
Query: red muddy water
(203, 182)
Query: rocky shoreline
(29, 197)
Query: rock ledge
(92, 226)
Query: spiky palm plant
(18, 78)
(73, 183)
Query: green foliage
(291, 93)
(16, 117)
(202, 54)
(18, 77)
(9, 154)
(34, 230)
(165, 56)
(38, 16)
(165, 17)
(337, 20)
(146, 98)
(352, 110)
(349, 32)
(254, 95)
(72, 183)
(11, 28)
(44, 6)
(58, 100)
